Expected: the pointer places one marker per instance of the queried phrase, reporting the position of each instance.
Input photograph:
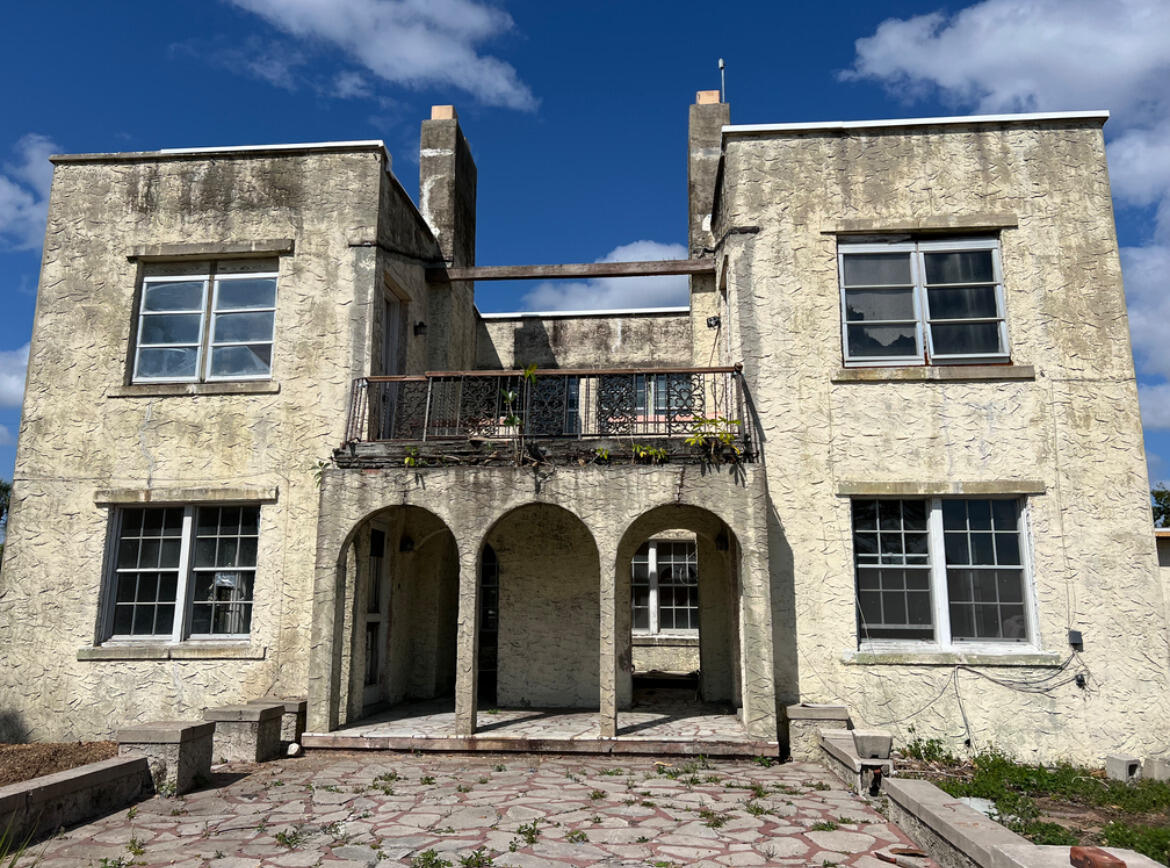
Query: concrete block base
(1156, 768)
(805, 723)
(245, 733)
(178, 752)
(292, 724)
(1122, 767)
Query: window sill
(185, 651)
(1024, 657)
(933, 373)
(664, 641)
(164, 390)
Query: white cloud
(350, 85)
(610, 293)
(13, 365)
(6, 436)
(1156, 466)
(1020, 55)
(24, 192)
(1155, 406)
(1053, 55)
(416, 43)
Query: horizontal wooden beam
(584, 269)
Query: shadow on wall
(12, 728)
(781, 567)
(531, 345)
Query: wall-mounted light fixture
(713, 322)
(420, 328)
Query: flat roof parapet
(226, 151)
(952, 120)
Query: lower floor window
(665, 588)
(179, 572)
(944, 571)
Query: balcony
(619, 415)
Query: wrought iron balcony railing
(578, 404)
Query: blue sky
(576, 113)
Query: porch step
(527, 744)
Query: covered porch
(516, 613)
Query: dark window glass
(146, 570)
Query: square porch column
(467, 641)
(607, 718)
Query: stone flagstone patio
(361, 809)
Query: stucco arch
(549, 607)
(718, 555)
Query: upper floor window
(206, 321)
(922, 302)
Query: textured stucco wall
(607, 341)
(1075, 426)
(549, 610)
(665, 654)
(77, 437)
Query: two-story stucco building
(889, 457)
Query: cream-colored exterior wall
(584, 341)
(85, 430)
(1069, 437)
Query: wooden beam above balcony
(584, 269)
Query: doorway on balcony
(404, 614)
(678, 599)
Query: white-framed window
(182, 572)
(205, 322)
(945, 572)
(922, 302)
(664, 577)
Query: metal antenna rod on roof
(722, 81)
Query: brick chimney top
(447, 113)
(706, 97)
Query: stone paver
(341, 809)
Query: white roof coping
(566, 313)
(290, 146)
(1017, 118)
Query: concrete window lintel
(933, 373)
(186, 651)
(211, 249)
(201, 494)
(1024, 657)
(168, 390)
(973, 488)
(932, 223)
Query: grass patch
(1115, 813)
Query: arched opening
(402, 590)
(546, 570)
(678, 615)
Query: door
(391, 363)
(377, 621)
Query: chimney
(704, 142)
(446, 185)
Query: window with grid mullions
(665, 588)
(916, 302)
(943, 571)
(182, 572)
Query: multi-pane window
(943, 571)
(180, 572)
(664, 580)
(212, 321)
(922, 302)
